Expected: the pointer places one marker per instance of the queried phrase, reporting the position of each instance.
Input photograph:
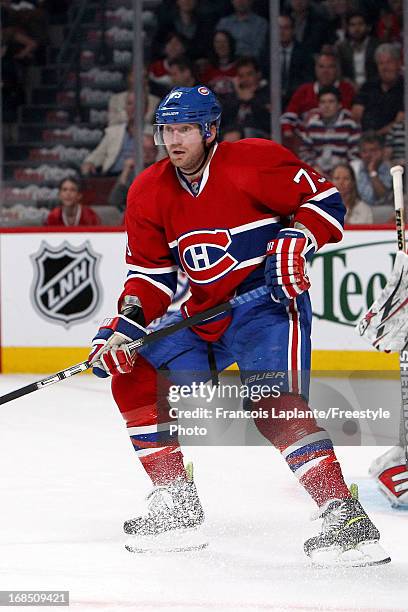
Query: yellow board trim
(44, 360)
(40, 360)
(354, 360)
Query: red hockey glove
(110, 354)
(285, 266)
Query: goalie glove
(285, 266)
(110, 354)
(385, 325)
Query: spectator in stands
(337, 11)
(296, 60)
(249, 106)
(311, 25)
(12, 78)
(18, 50)
(182, 73)
(15, 37)
(71, 212)
(116, 146)
(184, 19)
(221, 69)
(248, 29)
(232, 133)
(210, 12)
(305, 97)
(358, 211)
(29, 28)
(356, 52)
(395, 143)
(175, 46)
(389, 26)
(372, 172)
(117, 103)
(380, 103)
(329, 135)
(118, 195)
(32, 18)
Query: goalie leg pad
(385, 325)
(391, 475)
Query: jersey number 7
(303, 172)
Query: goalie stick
(396, 173)
(152, 337)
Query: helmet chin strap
(203, 162)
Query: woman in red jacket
(71, 212)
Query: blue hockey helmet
(188, 105)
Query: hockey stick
(156, 335)
(396, 173)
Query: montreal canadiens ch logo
(65, 288)
(203, 91)
(204, 255)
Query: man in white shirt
(356, 52)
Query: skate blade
(363, 555)
(179, 540)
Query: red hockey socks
(144, 407)
(307, 448)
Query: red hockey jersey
(85, 216)
(218, 237)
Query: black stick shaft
(153, 337)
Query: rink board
(56, 287)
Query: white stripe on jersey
(152, 270)
(314, 437)
(149, 451)
(250, 262)
(324, 194)
(324, 214)
(294, 368)
(246, 227)
(146, 429)
(308, 466)
(160, 286)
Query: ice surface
(69, 478)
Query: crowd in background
(24, 38)
(341, 90)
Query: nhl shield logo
(65, 288)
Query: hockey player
(231, 215)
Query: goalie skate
(348, 537)
(172, 522)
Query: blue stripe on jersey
(169, 279)
(313, 446)
(332, 205)
(244, 245)
(303, 455)
(159, 437)
(154, 436)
